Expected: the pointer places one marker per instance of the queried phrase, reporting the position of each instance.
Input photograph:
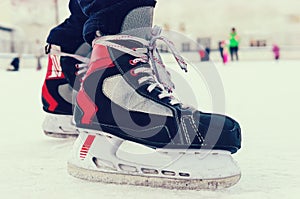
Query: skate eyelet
(133, 73)
(132, 62)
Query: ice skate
(57, 93)
(132, 131)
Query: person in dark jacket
(15, 63)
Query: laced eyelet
(133, 73)
(132, 62)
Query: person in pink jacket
(276, 51)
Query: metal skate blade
(62, 135)
(150, 181)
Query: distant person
(15, 63)
(234, 44)
(207, 51)
(39, 64)
(204, 54)
(276, 51)
(223, 48)
(39, 52)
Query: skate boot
(132, 131)
(57, 91)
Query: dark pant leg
(107, 16)
(236, 53)
(231, 49)
(68, 34)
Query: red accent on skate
(86, 146)
(48, 97)
(100, 59)
(88, 107)
(54, 70)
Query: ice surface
(263, 96)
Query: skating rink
(263, 96)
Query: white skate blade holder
(110, 159)
(59, 126)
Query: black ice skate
(132, 131)
(57, 91)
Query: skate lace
(156, 76)
(81, 68)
